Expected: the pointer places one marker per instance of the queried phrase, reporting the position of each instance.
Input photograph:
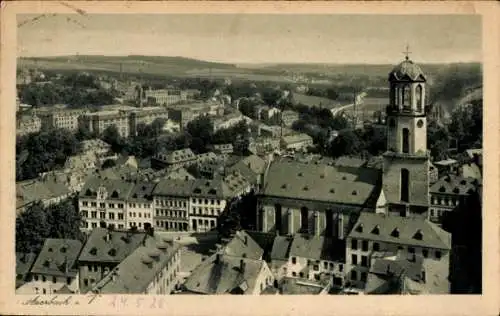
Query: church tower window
(419, 95)
(406, 99)
(277, 217)
(405, 185)
(304, 219)
(406, 140)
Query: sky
(233, 38)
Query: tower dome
(407, 69)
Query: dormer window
(359, 229)
(114, 194)
(376, 230)
(456, 190)
(332, 190)
(306, 188)
(300, 174)
(395, 233)
(93, 251)
(442, 189)
(344, 178)
(112, 252)
(418, 235)
(463, 182)
(354, 192)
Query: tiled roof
(452, 184)
(212, 277)
(142, 191)
(242, 245)
(400, 230)
(321, 182)
(104, 245)
(295, 138)
(134, 274)
(346, 161)
(58, 257)
(180, 174)
(35, 190)
(174, 187)
(312, 247)
(116, 189)
(292, 286)
(281, 248)
(177, 156)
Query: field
(313, 101)
(369, 106)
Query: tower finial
(407, 52)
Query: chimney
(242, 266)
(217, 258)
(245, 240)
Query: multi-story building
(297, 142)
(146, 116)
(447, 193)
(104, 200)
(230, 120)
(140, 208)
(264, 145)
(171, 199)
(60, 117)
(377, 234)
(152, 269)
(54, 268)
(101, 120)
(174, 160)
(223, 149)
(47, 190)
(103, 251)
(164, 97)
(28, 124)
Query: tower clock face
(420, 123)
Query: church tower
(406, 162)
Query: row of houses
(109, 261)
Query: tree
(347, 143)
(64, 220)
(32, 228)
(108, 163)
(111, 136)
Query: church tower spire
(406, 162)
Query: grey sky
(258, 38)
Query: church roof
(407, 69)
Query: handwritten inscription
(61, 301)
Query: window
(376, 246)
(304, 216)
(277, 217)
(363, 276)
(68, 281)
(354, 244)
(301, 274)
(35, 277)
(294, 260)
(44, 279)
(419, 97)
(341, 267)
(364, 261)
(102, 215)
(354, 275)
(120, 216)
(438, 254)
(102, 205)
(93, 204)
(93, 214)
(406, 140)
(85, 203)
(54, 279)
(364, 245)
(354, 259)
(425, 253)
(411, 250)
(294, 274)
(405, 185)
(325, 265)
(44, 291)
(316, 267)
(395, 233)
(111, 215)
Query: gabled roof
(407, 70)
(281, 248)
(24, 262)
(225, 275)
(117, 189)
(242, 245)
(313, 247)
(39, 190)
(58, 258)
(320, 182)
(134, 274)
(408, 229)
(142, 191)
(104, 245)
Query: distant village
(263, 213)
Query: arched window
(277, 217)
(406, 140)
(329, 223)
(419, 95)
(405, 100)
(304, 219)
(405, 185)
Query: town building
(297, 141)
(45, 190)
(226, 274)
(317, 199)
(24, 263)
(223, 149)
(99, 121)
(176, 159)
(28, 124)
(229, 120)
(289, 117)
(151, 269)
(378, 234)
(252, 168)
(446, 166)
(146, 116)
(58, 117)
(54, 268)
(448, 193)
(103, 251)
(163, 97)
(140, 208)
(263, 145)
(171, 199)
(103, 200)
(406, 162)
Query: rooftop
(315, 248)
(116, 189)
(345, 185)
(104, 245)
(142, 191)
(407, 69)
(58, 257)
(242, 245)
(452, 184)
(223, 274)
(400, 230)
(134, 274)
